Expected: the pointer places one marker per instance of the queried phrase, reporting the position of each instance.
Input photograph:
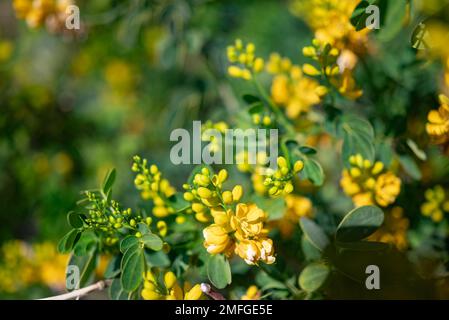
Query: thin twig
(100, 285)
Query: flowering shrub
(359, 177)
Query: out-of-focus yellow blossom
(206, 193)
(291, 89)
(279, 182)
(244, 62)
(369, 183)
(6, 49)
(169, 289)
(38, 12)
(296, 208)
(330, 21)
(437, 203)
(152, 186)
(242, 232)
(24, 265)
(252, 293)
(208, 132)
(394, 229)
(120, 76)
(438, 122)
(334, 65)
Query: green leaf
(314, 234)
(128, 253)
(313, 276)
(219, 271)
(313, 171)
(256, 108)
(359, 15)
(143, 228)
(128, 242)
(113, 268)
(109, 181)
(393, 20)
(152, 241)
(178, 203)
(409, 165)
(250, 99)
(85, 243)
(309, 250)
(132, 273)
(116, 291)
(307, 150)
(274, 207)
(67, 243)
(358, 138)
(359, 224)
(420, 36)
(363, 246)
(157, 259)
(86, 265)
(74, 219)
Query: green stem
(280, 117)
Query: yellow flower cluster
(279, 182)
(337, 74)
(38, 12)
(242, 232)
(330, 21)
(252, 293)
(394, 229)
(291, 89)
(437, 202)
(152, 186)
(296, 208)
(206, 193)
(23, 265)
(243, 60)
(369, 183)
(169, 290)
(438, 122)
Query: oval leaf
(132, 274)
(359, 224)
(219, 271)
(314, 234)
(313, 276)
(152, 241)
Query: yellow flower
(252, 293)
(394, 229)
(369, 183)
(437, 203)
(217, 240)
(438, 122)
(387, 189)
(171, 290)
(297, 207)
(251, 251)
(295, 92)
(248, 221)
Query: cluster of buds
(436, 203)
(369, 183)
(243, 60)
(327, 57)
(107, 217)
(279, 182)
(437, 126)
(51, 13)
(241, 232)
(169, 289)
(152, 186)
(206, 193)
(261, 119)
